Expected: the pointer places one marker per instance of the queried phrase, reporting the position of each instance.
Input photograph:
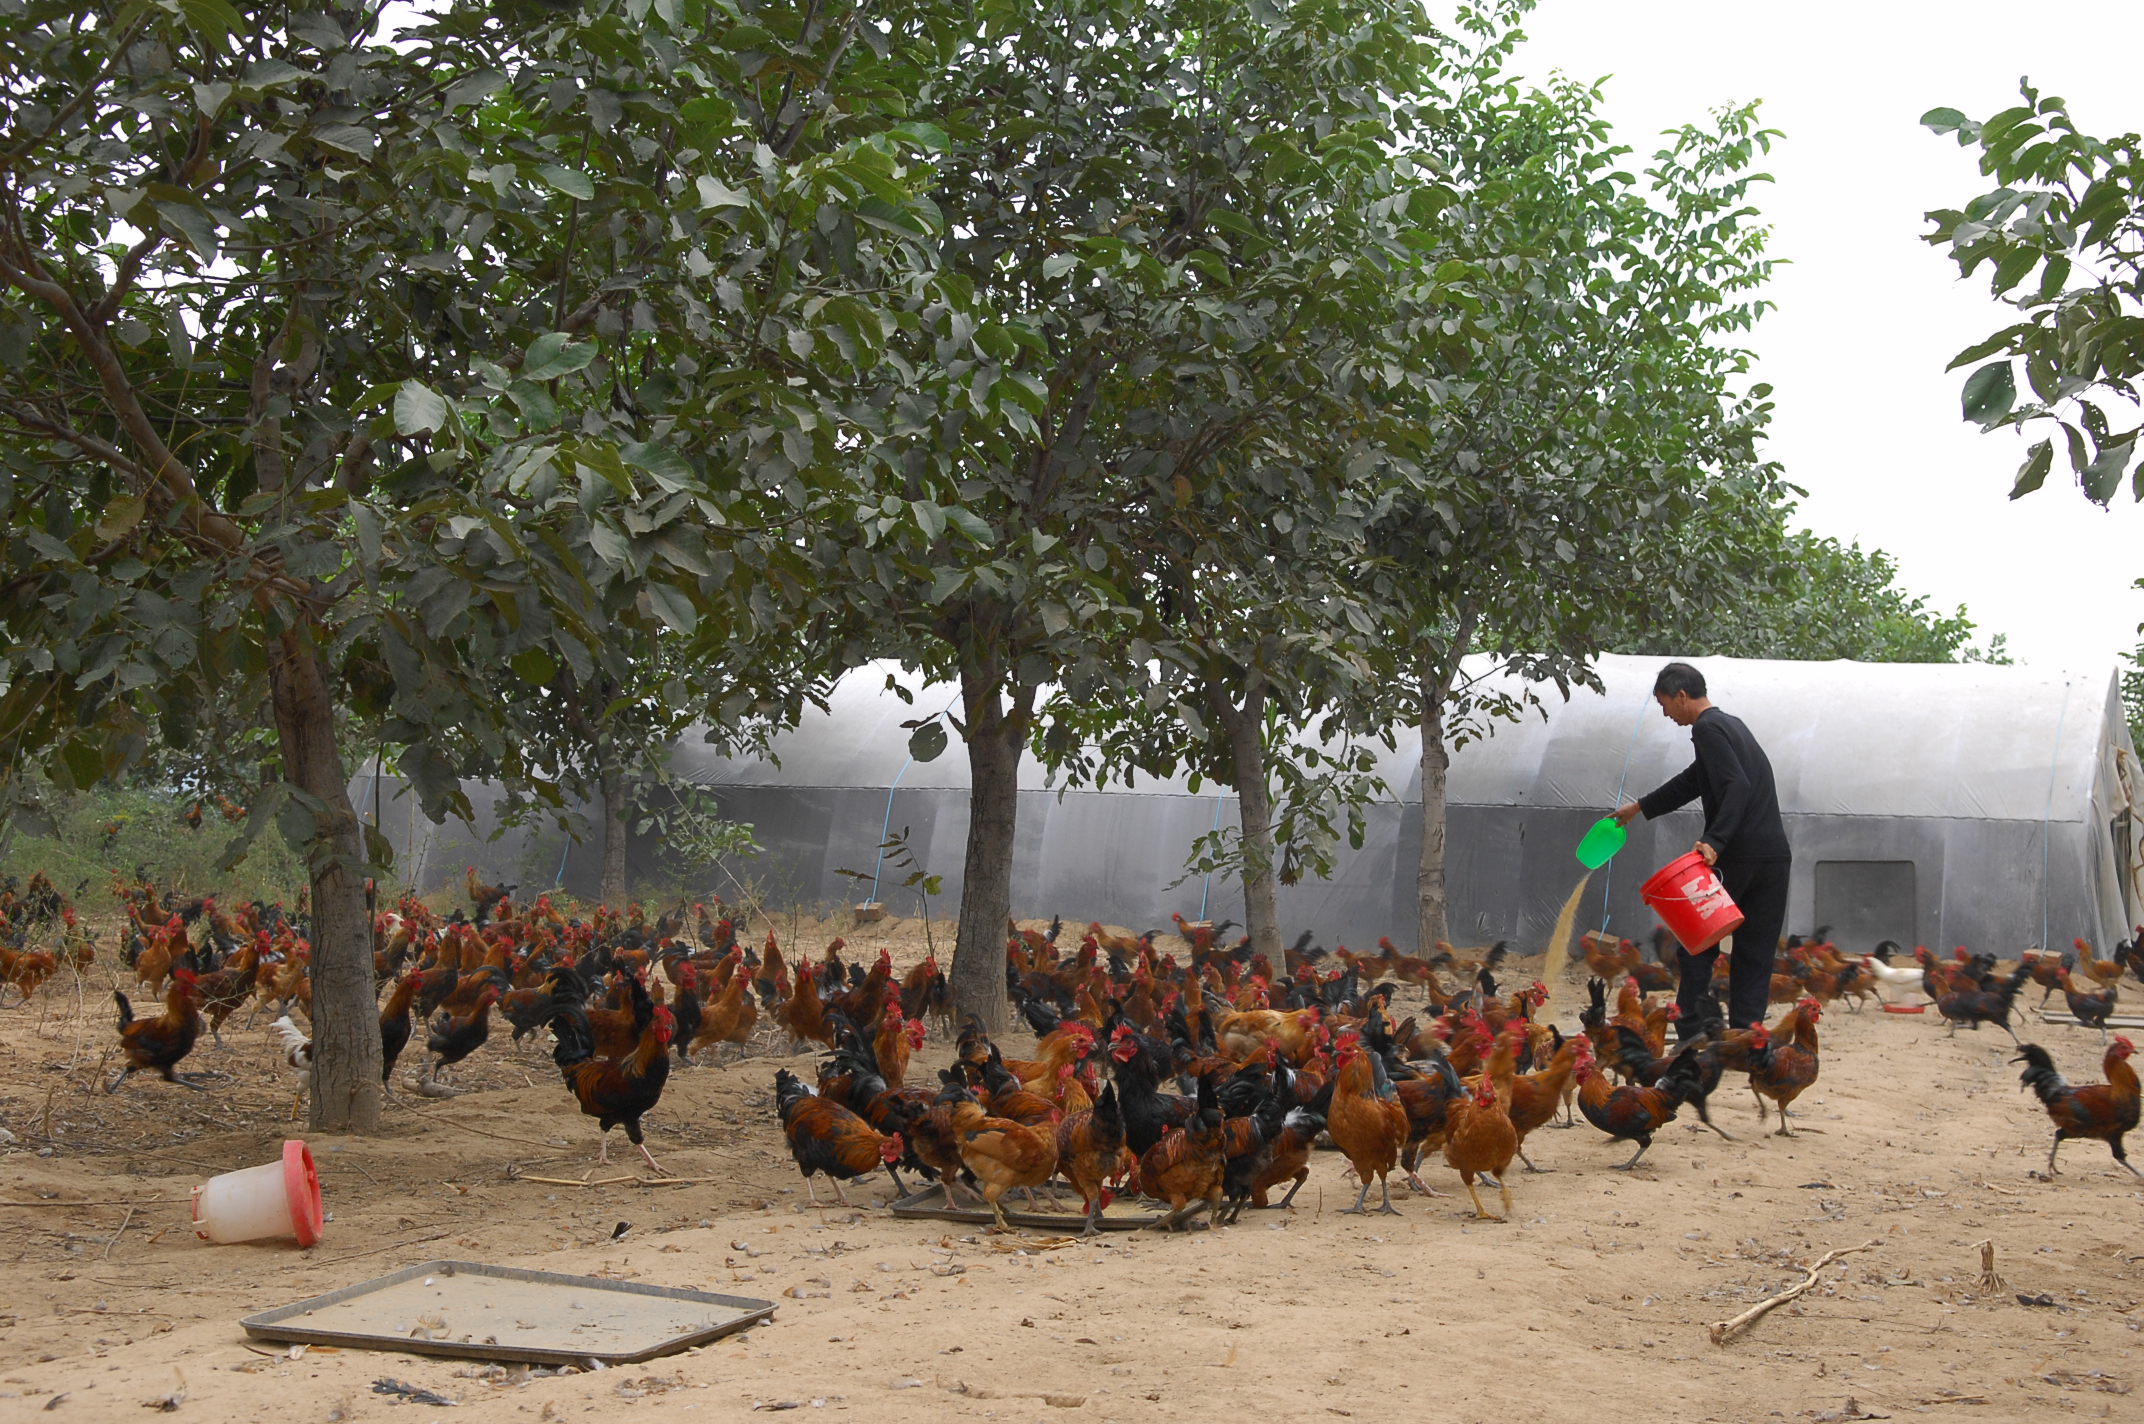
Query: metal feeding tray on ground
(473, 1311)
(1120, 1215)
(2055, 1016)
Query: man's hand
(1712, 857)
(1626, 812)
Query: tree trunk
(1432, 921)
(995, 739)
(614, 837)
(1432, 904)
(1245, 728)
(346, 1024)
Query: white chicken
(298, 1053)
(1888, 975)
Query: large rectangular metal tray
(2058, 1016)
(1120, 1215)
(475, 1311)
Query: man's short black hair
(1679, 677)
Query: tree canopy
(1820, 599)
(348, 375)
(2062, 236)
(509, 390)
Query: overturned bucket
(280, 1198)
(1692, 903)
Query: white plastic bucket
(280, 1198)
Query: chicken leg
(1480, 1212)
(1177, 1219)
(1360, 1197)
(1706, 1118)
(1644, 1143)
(1784, 1130)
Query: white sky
(1869, 315)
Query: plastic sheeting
(1938, 804)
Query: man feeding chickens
(1744, 839)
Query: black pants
(1759, 890)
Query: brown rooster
(1790, 1066)
(2106, 1111)
(616, 1092)
(1366, 1121)
(1186, 1167)
(826, 1137)
(1003, 1155)
(1092, 1155)
(159, 1043)
(1479, 1139)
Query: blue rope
(2054, 764)
(1608, 876)
(1218, 798)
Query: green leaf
(177, 338)
(971, 525)
(572, 182)
(714, 193)
(549, 356)
(663, 464)
(2033, 473)
(610, 545)
(345, 138)
(215, 21)
(928, 741)
(120, 516)
(929, 517)
(534, 666)
(474, 89)
(925, 135)
(181, 214)
(673, 607)
(1990, 392)
(2103, 476)
(419, 409)
(1943, 120)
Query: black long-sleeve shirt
(1734, 777)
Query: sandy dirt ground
(1597, 1295)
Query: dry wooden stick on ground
(1726, 1330)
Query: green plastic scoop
(1601, 843)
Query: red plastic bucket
(1693, 904)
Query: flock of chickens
(1224, 1071)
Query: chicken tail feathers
(789, 1090)
(126, 1010)
(297, 1048)
(576, 1040)
(1684, 1079)
(2041, 1075)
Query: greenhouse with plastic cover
(1939, 804)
